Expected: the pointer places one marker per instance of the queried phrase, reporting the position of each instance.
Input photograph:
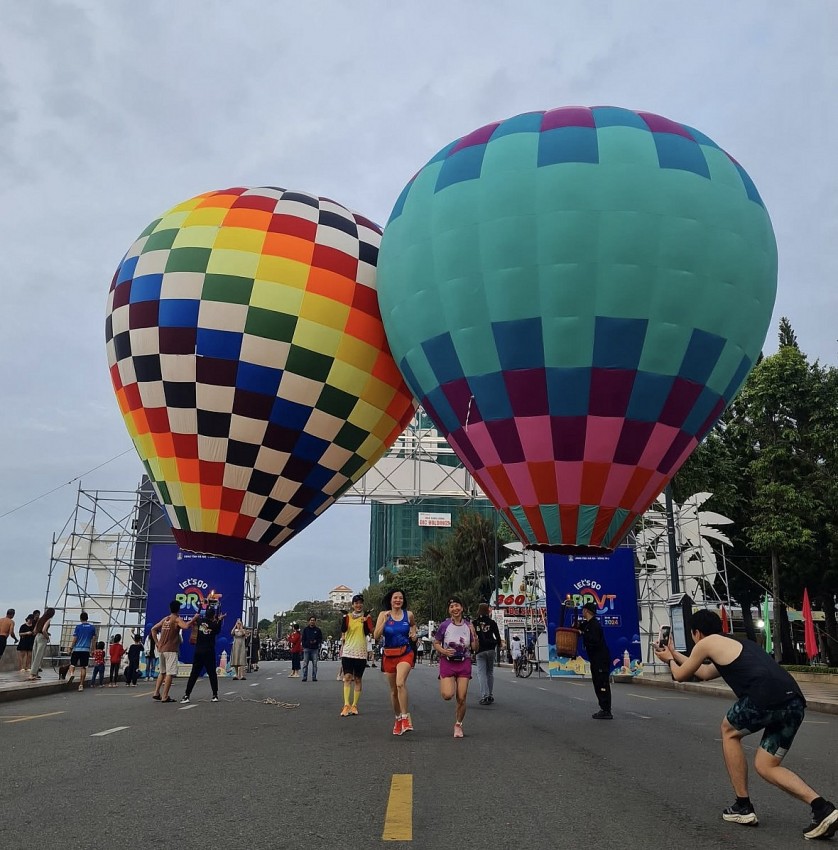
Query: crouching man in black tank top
(768, 698)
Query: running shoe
(184, 698)
(458, 730)
(824, 824)
(353, 709)
(346, 711)
(739, 813)
(407, 724)
(398, 726)
(214, 699)
(603, 715)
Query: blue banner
(609, 582)
(189, 578)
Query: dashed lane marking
(398, 821)
(640, 696)
(641, 716)
(187, 707)
(109, 731)
(22, 718)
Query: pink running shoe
(458, 730)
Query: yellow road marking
(398, 822)
(32, 717)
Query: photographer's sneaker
(739, 813)
(603, 715)
(184, 698)
(824, 824)
(214, 699)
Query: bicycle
(524, 666)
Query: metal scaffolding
(100, 562)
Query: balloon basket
(567, 642)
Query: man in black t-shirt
(207, 625)
(768, 698)
(312, 641)
(488, 637)
(599, 657)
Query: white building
(341, 596)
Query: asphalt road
(534, 769)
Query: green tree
(771, 464)
(462, 563)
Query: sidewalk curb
(37, 689)
(713, 691)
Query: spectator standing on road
(768, 698)
(398, 626)
(253, 646)
(26, 636)
(150, 658)
(98, 659)
(295, 647)
(166, 636)
(115, 652)
(41, 641)
(599, 657)
(132, 671)
(207, 628)
(516, 651)
(7, 630)
(455, 642)
(84, 636)
(238, 655)
(355, 627)
(488, 637)
(312, 641)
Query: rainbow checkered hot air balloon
(249, 360)
(575, 296)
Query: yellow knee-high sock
(356, 696)
(346, 686)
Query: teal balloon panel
(575, 296)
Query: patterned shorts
(780, 724)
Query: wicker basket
(567, 642)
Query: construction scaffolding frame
(100, 562)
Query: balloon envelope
(249, 360)
(575, 296)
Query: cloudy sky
(110, 113)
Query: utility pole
(673, 546)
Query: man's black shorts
(80, 659)
(355, 666)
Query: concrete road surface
(112, 768)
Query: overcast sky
(110, 113)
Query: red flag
(809, 627)
(725, 625)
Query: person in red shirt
(115, 651)
(295, 644)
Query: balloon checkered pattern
(249, 361)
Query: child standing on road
(116, 650)
(98, 664)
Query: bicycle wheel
(526, 669)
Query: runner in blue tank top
(398, 627)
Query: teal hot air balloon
(575, 296)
